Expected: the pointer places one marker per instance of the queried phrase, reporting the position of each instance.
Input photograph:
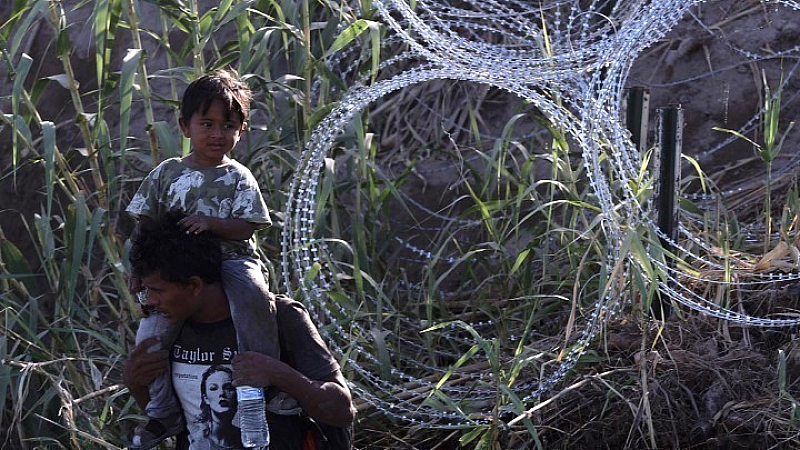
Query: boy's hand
(195, 224)
(229, 228)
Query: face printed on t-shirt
(220, 392)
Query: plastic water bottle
(252, 417)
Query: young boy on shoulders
(219, 195)
(183, 274)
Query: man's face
(176, 301)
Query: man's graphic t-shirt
(203, 347)
(202, 377)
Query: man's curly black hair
(163, 246)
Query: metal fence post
(637, 112)
(669, 147)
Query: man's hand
(254, 369)
(134, 284)
(327, 400)
(142, 367)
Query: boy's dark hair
(222, 84)
(162, 246)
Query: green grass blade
(166, 139)
(76, 230)
(348, 35)
(130, 64)
(16, 95)
(30, 13)
(49, 147)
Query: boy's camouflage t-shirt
(226, 191)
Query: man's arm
(327, 400)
